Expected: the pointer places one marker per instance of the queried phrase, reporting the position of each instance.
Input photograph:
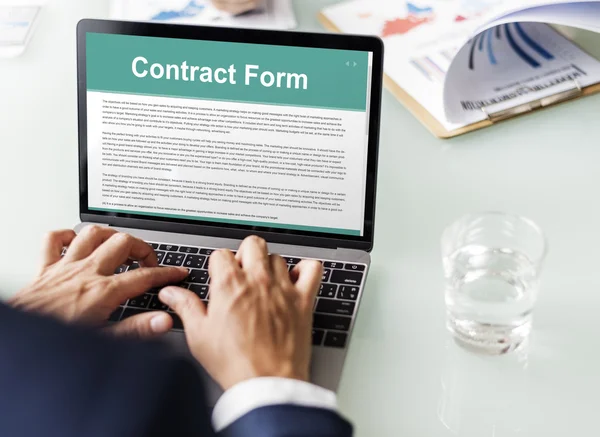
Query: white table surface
(403, 377)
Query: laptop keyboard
(334, 308)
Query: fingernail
(160, 323)
(167, 294)
(185, 269)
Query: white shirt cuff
(255, 393)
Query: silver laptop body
(182, 242)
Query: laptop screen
(228, 133)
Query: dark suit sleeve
(59, 381)
(63, 381)
(289, 421)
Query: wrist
(261, 392)
(284, 371)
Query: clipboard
(437, 129)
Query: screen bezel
(283, 38)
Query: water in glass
(490, 293)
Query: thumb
(186, 304)
(142, 326)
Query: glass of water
(492, 263)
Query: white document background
(354, 143)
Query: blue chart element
(472, 53)
(518, 50)
(535, 46)
(190, 10)
(490, 51)
(415, 10)
(498, 34)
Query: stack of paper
(273, 14)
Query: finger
(142, 326)
(88, 240)
(133, 283)
(280, 271)
(54, 242)
(224, 269)
(254, 258)
(309, 274)
(121, 247)
(286, 296)
(186, 304)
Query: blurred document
(16, 27)
(16, 23)
(273, 14)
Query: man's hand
(259, 321)
(236, 7)
(81, 286)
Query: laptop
(193, 138)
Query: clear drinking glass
(492, 263)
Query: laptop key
(194, 261)
(140, 301)
(291, 260)
(160, 256)
(134, 265)
(169, 247)
(317, 337)
(326, 321)
(327, 290)
(121, 269)
(200, 290)
(346, 277)
(153, 245)
(157, 305)
(326, 275)
(335, 339)
(198, 276)
(116, 315)
(129, 312)
(335, 307)
(355, 267)
(333, 265)
(188, 249)
(348, 293)
(174, 259)
(207, 251)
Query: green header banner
(241, 72)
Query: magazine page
(576, 13)
(422, 37)
(512, 64)
(579, 15)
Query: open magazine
(462, 60)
